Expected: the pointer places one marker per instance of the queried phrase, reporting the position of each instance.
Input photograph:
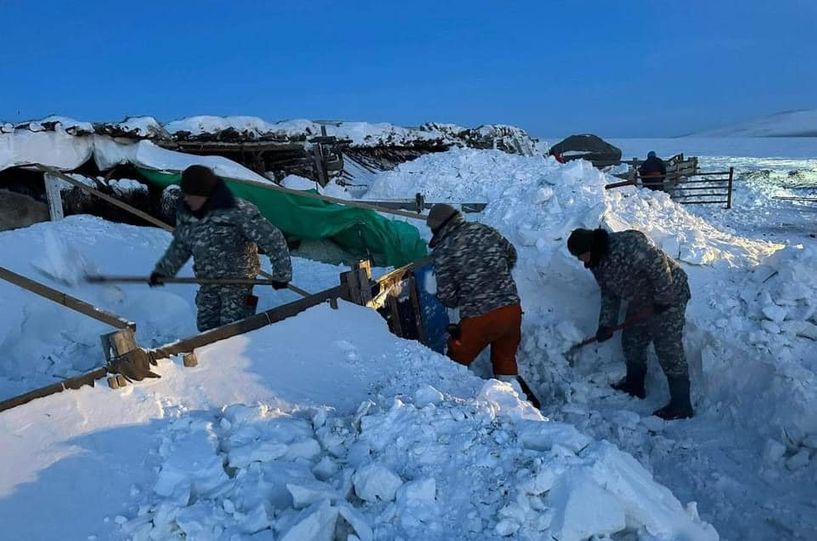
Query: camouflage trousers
(220, 305)
(666, 332)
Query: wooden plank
(412, 205)
(620, 184)
(711, 173)
(95, 279)
(54, 197)
(71, 383)
(722, 202)
(203, 146)
(66, 300)
(802, 199)
(394, 313)
(251, 323)
(699, 188)
(704, 181)
(731, 175)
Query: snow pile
(223, 128)
(60, 124)
(443, 468)
(766, 368)
(141, 127)
(533, 198)
(752, 376)
(680, 233)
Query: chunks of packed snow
(374, 482)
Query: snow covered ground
(314, 429)
(323, 423)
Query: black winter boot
(679, 406)
(632, 383)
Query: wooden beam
(66, 300)
(412, 205)
(71, 383)
(251, 323)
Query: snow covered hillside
(802, 123)
(325, 426)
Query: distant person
(558, 156)
(473, 263)
(653, 172)
(223, 234)
(629, 267)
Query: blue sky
(613, 67)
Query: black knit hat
(581, 241)
(199, 180)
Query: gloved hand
(603, 334)
(279, 285)
(454, 330)
(660, 308)
(155, 279)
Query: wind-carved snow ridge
(422, 467)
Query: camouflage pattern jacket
(473, 263)
(637, 271)
(224, 240)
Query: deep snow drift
(748, 339)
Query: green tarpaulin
(359, 231)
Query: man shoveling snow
(627, 266)
(473, 263)
(223, 234)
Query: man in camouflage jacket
(473, 263)
(223, 234)
(628, 267)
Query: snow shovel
(571, 353)
(101, 279)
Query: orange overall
(501, 329)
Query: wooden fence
(705, 189)
(700, 188)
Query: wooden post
(394, 311)
(729, 191)
(418, 312)
(358, 282)
(115, 345)
(54, 197)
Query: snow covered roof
(62, 151)
(249, 128)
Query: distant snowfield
(326, 423)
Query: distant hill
(802, 123)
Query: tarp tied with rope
(361, 232)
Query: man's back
(473, 265)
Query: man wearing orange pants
(473, 263)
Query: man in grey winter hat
(473, 263)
